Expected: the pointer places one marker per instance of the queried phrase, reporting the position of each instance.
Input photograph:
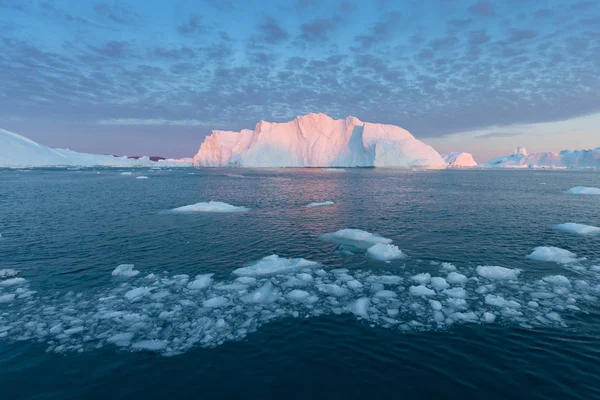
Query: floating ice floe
(578, 229)
(125, 270)
(141, 177)
(170, 314)
(584, 190)
(12, 281)
(552, 254)
(385, 252)
(273, 265)
(126, 173)
(8, 273)
(324, 203)
(211, 206)
(355, 237)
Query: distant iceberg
(17, 151)
(576, 159)
(211, 206)
(459, 160)
(584, 190)
(317, 140)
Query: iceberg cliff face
(459, 160)
(19, 151)
(564, 159)
(316, 140)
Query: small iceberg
(324, 203)
(552, 254)
(578, 229)
(141, 177)
(211, 206)
(355, 237)
(584, 190)
(273, 265)
(385, 252)
(125, 270)
(497, 273)
(126, 173)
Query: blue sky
(155, 77)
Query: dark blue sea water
(353, 327)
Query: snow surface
(317, 140)
(321, 204)
(552, 254)
(385, 252)
(459, 160)
(584, 190)
(562, 159)
(19, 151)
(578, 229)
(211, 206)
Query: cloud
(272, 32)
(519, 35)
(112, 49)
(381, 31)
(483, 9)
(318, 29)
(497, 135)
(347, 6)
(151, 121)
(114, 12)
(191, 27)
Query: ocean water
(339, 325)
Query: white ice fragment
(354, 284)
(211, 206)
(137, 293)
(297, 295)
(552, 254)
(321, 204)
(216, 302)
(558, 280)
(141, 177)
(499, 301)
(448, 267)
(125, 270)
(12, 282)
(578, 229)
(584, 190)
(455, 278)
(201, 281)
(121, 339)
(264, 294)
(439, 283)
(355, 237)
(385, 252)
(497, 273)
(360, 307)
(333, 290)
(435, 305)
(8, 273)
(421, 278)
(421, 290)
(488, 317)
(385, 294)
(273, 265)
(126, 173)
(7, 297)
(457, 293)
(150, 345)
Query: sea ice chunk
(211, 206)
(297, 295)
(200, 282)
(150, 345)
(360, 307)
(141, 177)
(355, 237)
(552, 254)
(584, 190)
(385, 252)
(421, 290)
(456, 279)
(497, 273)
(457, 293)
(7, 297)
(578, 229)
(439, 283)
(422, 278)
(273, 265)
(499, 301)
(125, 270)
(216, 302)
(321, 204)
(489, 317)
(8, 273)
(558, 280)
(12, 282)
(137, 293)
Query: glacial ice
(578, 229)
(552, 254)
(459, 160)
(385, 252)
(211, 206)
(562, 159)
(321, 204)
(355, 237)
(19, 151)
(584, 190)
(316, 140)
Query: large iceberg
(19, 151)
(564, 159)
(317, 140)
(459, 160)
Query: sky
(155, 77)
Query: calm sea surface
(347, 327)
